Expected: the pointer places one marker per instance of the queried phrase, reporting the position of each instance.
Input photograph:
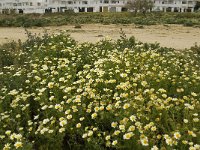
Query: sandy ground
(175, 36)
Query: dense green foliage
(58, 94)
(29, 20)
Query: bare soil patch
(175, 36)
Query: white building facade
(42, 6)
(23, 6)
(175, 5)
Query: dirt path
(175, 36)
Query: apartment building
(175, 5)
(95, 5)
(23, 6)
(42, 6)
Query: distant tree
(140, 5)
(197, 6)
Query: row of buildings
(42, 6)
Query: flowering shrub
(119, 94)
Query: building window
(106, 1)
(85, 2)
(184, 2)
(190, 2)
(38, 4)
(63, 2)
(70, 2)
(170, 2)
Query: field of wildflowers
(58, 94)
